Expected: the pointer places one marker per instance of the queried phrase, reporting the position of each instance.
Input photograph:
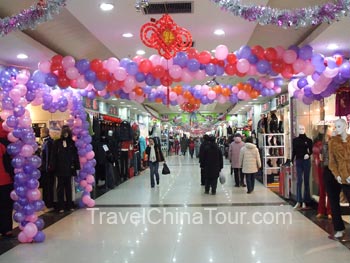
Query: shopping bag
(165, 169)
(222, 178)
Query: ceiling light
(22, 56)
(106, 6)
(213, 50)
(219, 32)
(114, 99)
(140, 52)
(332, 46)
(128, 35)
(122, 102)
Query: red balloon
(192, 53)
(96, 65)
(56, 67)
(56, 60)
(158, 71)
(63, 82)
(102, 74)
(277, 66)
(258, 51)
(166, 80)
(221, 63)
(112, 85)
(230, 69)
(145, 66)
(287, 72)
(214, 61)
(231, 58)
(204, 57)
(270, 54)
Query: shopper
(184, 144)
(155, 156)
(212, 161)
(191, 146)
(47, 178)
(233, 156)
(249, 158)
(64, 163)
(202, 149)
(197, 145)
(6, 186)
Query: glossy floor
(177, 222)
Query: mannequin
(339, 159)
(302, 149)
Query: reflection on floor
(177, 222)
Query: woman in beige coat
(249, 158)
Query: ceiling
(82, 30)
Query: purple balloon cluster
(82, 138)
(330, 73)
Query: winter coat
(159, 153)
(6, 169)
(212, 160)
(249, 158)
(64, 161)
(339, 157)
(183, 144)
(233, 152)
(46, 149)
(191, 145)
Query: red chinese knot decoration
(165, 36)
(190, 107)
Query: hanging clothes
(342, 102)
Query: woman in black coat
(213, 162)
(64, 164)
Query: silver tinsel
(301, 17)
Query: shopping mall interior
(174, 131)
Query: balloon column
(19, 90)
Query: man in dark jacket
(201, 154)
(213, 163)
(64, 163)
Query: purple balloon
(244, 52)
(307, 100)
(32, 183)
(19, 216)
(193, 65)
(149, 79)
(39, 237)
(82, 65)
(180, 59)
(305, 52)
(99, 85)
(344, 70)
(302, 83)
(124, 62)
(90, 75)
(140, 77)
(132, 68)
(210, 69)
(18, 162)
(40, 224)
(263, 66)
(51, 80)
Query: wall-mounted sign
(91, 104)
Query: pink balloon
(330, 73)
(102, 93)
(155, 59)
(132, 95)
(25, 122)
(241, 95)
(90, 179)
(11, 138)
(33, 194)
(90, 155)
(299, 65)
(27, 150)
(22, 78)
(172, 96)
(175, 71)
(91, 203)
(140, 99)
(32, 218)
(4, 114)
(200, 75)
(243, 65)
(72, 73)
(68, 62)
(221, 52)
(278, 90)
(86, 199)
(186, 75)
(30, 230)
(23, 238)
(112, 64)
(252, 70)
(180, 99)
(81, 82)
(120, 74)
(280, 50)
(15, 94)
(130, 83)
(45, 66)
(83, 183)
(269, 84)
(13, 195)
(211, 95)
(235, 89)
(289, 56)
(88, 188)
(221, 99)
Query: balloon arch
(312, 78)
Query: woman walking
(155, 156)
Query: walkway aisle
(134, 223)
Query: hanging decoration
(165, 36)
(30, 18)
(300, 17)
(190, 107)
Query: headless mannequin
(339, 160)
(302, 149)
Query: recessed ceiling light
(22, 56)
(219, 32)
(255, 99)
(122, 102)
(140, 52)
(213, 50)
(106, 6)
(332, 46)
(128, 35)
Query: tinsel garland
(38, 13)
(300, 17)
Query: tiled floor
(177, 222)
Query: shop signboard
(91, 104)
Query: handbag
(222, 178)
(165, 169)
